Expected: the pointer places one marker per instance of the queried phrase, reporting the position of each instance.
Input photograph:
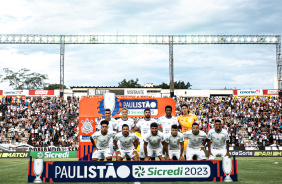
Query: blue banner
(141, 171)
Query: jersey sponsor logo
(87, 126)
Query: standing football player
(174, 144)
(220, 141)
(101, 148)
(126, 144)
(124, 120)
(197, 139)
(154, 143)
(111, 126)
(166, 121)
(143, 125)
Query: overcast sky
(204, 66)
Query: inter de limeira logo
(87, 126)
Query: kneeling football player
(197, 139)
(174, 144)
(127, 148)
(101, 148)
(154, 143)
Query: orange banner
(90, 108)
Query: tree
(53, 86)
(177, 85)
(23, 79)
(129, 84)
(182, 85)
(163, 86)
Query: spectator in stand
(40, 121)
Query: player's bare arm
(93, 143)
(227, 148)
(146, 152)
(116, 146)
(209, 147)
(162, 158)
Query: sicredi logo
(48, 154)
(171, 171)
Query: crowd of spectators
(259, 117)
(45, 121)
(39, 121)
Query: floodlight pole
(279, 64)
(62, 55)
(171, 74)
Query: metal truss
(138, 39)
(146, 39)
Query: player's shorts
(173, 153)
(216, 152)
(102, 154)
(127, 153)
(154, 152)
(190, 152)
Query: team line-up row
(159, 138)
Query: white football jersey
(111, 126)
(144, 126)
(120, 122)
(126, 142)
(154, 142)
(174, 141)
(103, 140)
(218, 139)
(166, 124)
(195, 141)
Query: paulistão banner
(134, 171)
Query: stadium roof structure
(146, 39)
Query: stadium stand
(52, 121)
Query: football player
(126, 144)
(174, 144)
(101, 148)
(154, 143)
(143, 125)
(220, 141)
(197, 139)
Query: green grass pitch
(256, 170)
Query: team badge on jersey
(87, 126)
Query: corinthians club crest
(87, 126)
